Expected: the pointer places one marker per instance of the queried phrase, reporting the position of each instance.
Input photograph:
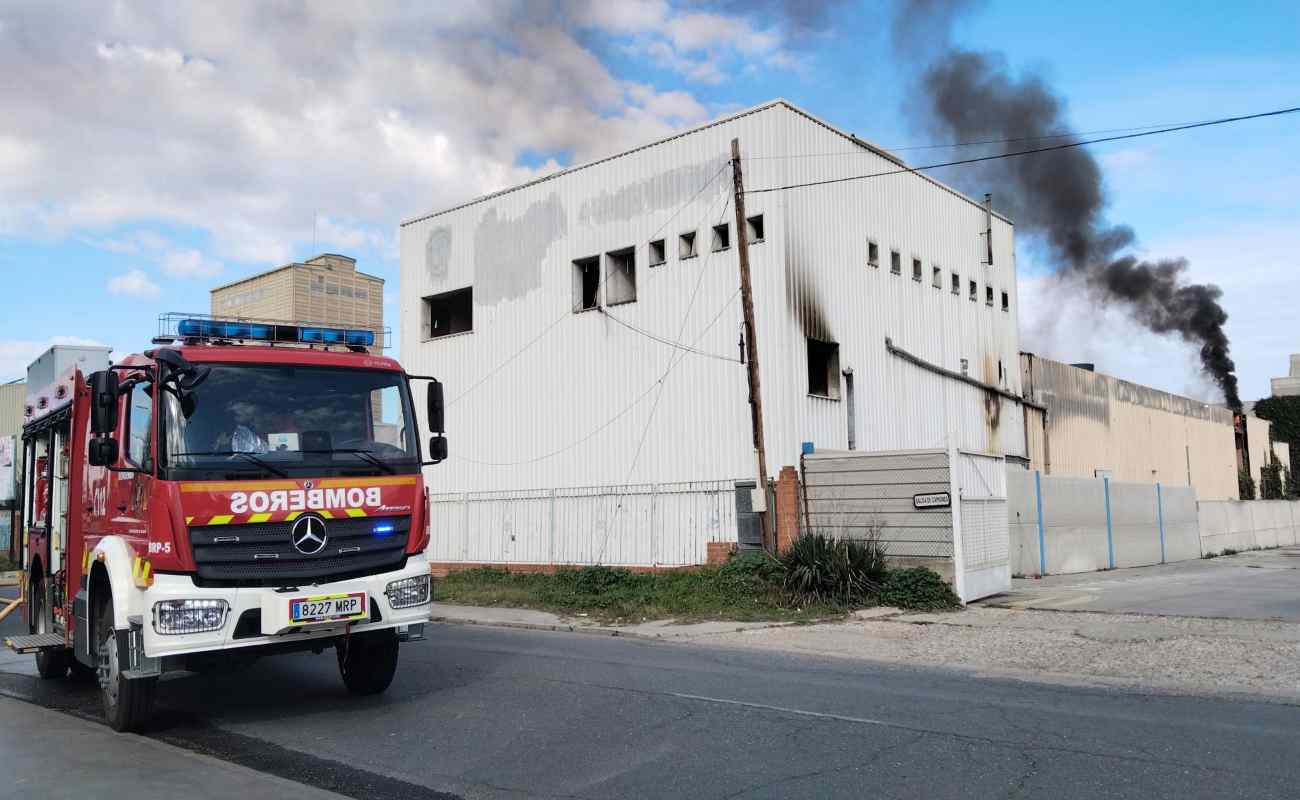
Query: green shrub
(756, 564)
(1271, 481)
(1245, 485)
(917, 588)
(823, 569)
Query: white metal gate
(666, 524)
(943, 509)
(981, 535)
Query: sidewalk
(529, 619)
(1179, 654)
(49, 754)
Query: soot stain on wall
(664, 190)
(437, 254)
(509, 252)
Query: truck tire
(52, 662)
(128, 702)
(368, 661)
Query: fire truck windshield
(281, 420)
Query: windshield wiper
(365, 454)
(274, 470)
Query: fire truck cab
(242, 489)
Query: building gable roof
(772, 104)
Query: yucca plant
(821, 568)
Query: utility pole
(751, 344)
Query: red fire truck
(243, 488)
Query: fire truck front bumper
(180, 618)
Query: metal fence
(666, 524)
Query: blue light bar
(383, 529)
(220, 329)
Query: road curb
(595, 630)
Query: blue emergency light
(221, 329)
(383, 529)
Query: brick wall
(788, 508)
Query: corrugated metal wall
(1099, 422)
(541, 397)
(646, 524)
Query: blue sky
(147, 157)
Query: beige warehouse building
(326, 289)
(1100, 426)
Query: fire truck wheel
(51, 663)
(128, 702)
(368, 661)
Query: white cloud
(133, 283)
(189, 264)
(375, 113)
(16, 354)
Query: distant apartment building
(326, 289)
(1289, 385)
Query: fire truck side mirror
(437, 448)
(434, 414)
(103, 402)
(102, 452)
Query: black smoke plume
(1058, 195)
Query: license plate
(327, 608)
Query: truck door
(128, 505)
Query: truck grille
(262, 554)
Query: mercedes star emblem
(308, 535)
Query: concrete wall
(1134, 433)
(1249, 525)
(1147, 524)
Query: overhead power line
(669, 342)
(1032, 151)
(1064, 134)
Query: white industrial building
(586, 326)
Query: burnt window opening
(754, 228)
(449, 313)
(658, 253)
(824, 369)
(895, 262)
(974, 292)
(988, 296)
(686, 245)
(1006, 302)
(721, 237)
(936, 276)
(916, 270)
(873, 253)
(586, 284)
(956, 284)
(620, 276)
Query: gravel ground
(1179, 654)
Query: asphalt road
(1261, 584)
(485, 712)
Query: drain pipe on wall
(848, 394)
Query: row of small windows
(619, 282)
(319, 286)
(936, 275)
(453, 312)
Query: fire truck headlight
(189, 616)
(408, 592)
